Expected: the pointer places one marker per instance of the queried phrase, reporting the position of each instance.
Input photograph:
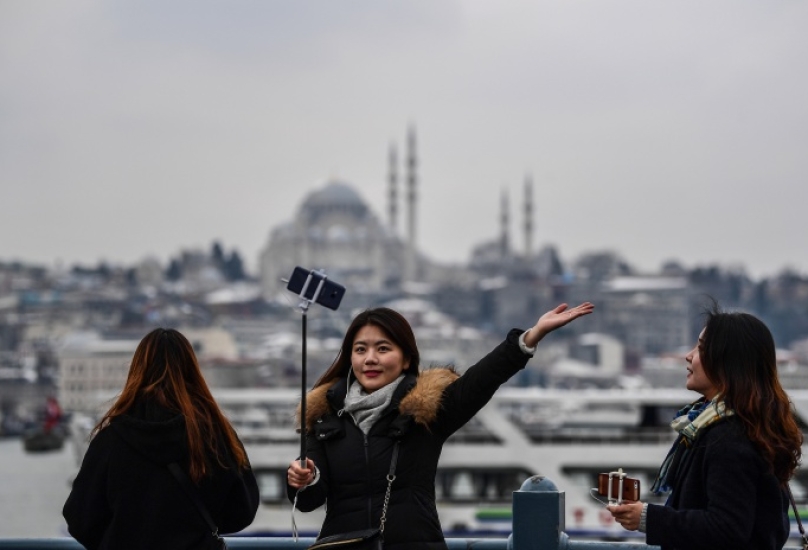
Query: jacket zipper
(370, 481)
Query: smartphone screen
(331, 294)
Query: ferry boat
(568, 436)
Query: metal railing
(538, 524)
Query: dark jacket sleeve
(727, 477)
(240, 504)
(464, 397)
(313, 496)
(87, 510)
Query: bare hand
(627, 515)
(554, 319)
(299, 477)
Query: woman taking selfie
(126, 496)
(738, 446)
(373, 403)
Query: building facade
(335, 230)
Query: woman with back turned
(737, 448)
(373, 396)
(125, 496)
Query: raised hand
(554, 319)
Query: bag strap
(797, 516)
(190, 490)
(390, 478)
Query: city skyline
(649, 130)
(231, 252)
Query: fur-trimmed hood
(421, 402)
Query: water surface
(33, 489)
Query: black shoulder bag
(193, 495)
(368, 539)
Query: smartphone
(331, 294)
(631, 487)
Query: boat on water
(39, 440)
(567, 436)
(50, 434)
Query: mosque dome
(336, 196)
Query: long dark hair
(738, 356)
(165, 369)
(395, 327)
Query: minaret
(412, 181)
(528, 217)
(504, 221)
(393, 190)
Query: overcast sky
(659, 130)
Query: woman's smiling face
(375, 359)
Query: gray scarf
(366, 408)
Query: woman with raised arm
(737, 447)
(126, 495)
(375, 395)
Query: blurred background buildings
(69, 332)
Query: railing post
(538, 516)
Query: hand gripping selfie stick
(326, 293)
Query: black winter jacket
(425, 410)
(124, 496)
(723, 497)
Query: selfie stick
(304, 308)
